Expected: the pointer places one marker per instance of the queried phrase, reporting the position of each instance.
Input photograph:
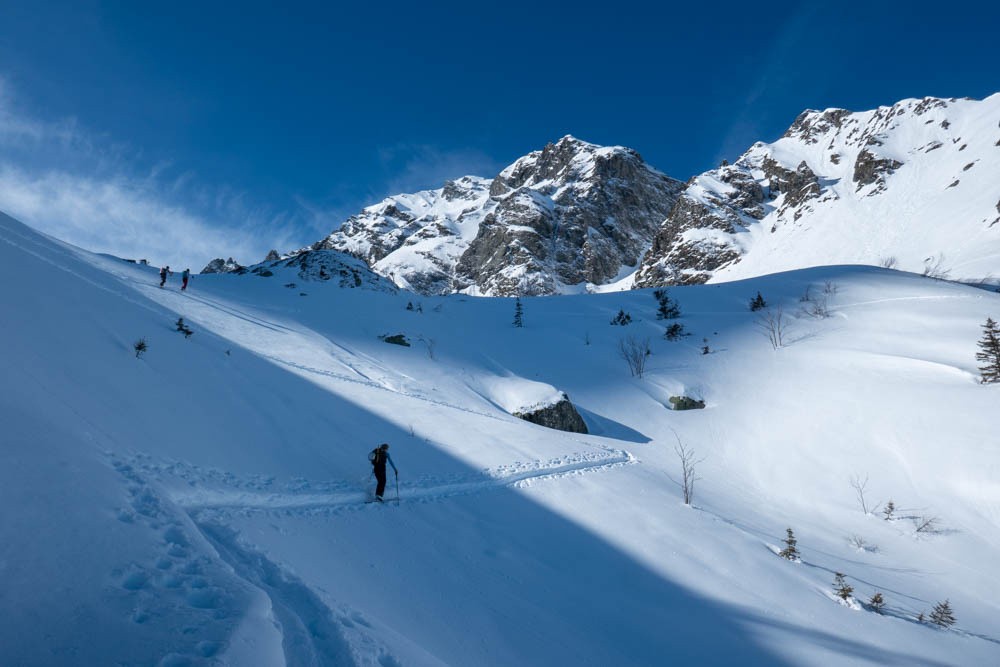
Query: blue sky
(184, 131)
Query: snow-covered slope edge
(171, 507)
(914, 186)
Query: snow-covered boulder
(536, 402)
(561, 415)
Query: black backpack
(374, 456)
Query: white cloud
(84, 190)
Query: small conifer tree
(989, 353)
(667, 308)
(183, 328)
(518, 313)
(757, 303)
(622, 318)
(942, 615)
(704, 348)
(140, 347)
(409, 305)
(841, 587)
(889, 510)
(674, 331)
(790, 552)
(877, 602)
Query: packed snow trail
(284, 502)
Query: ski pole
(397, 488)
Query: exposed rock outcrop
(561, 416)
(571, 213)
(220, 265)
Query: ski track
(313, 632)
(517, 475)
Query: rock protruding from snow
(220, 265)
(570, 214)
(561, 416)
(900, 184)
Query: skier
(184, 279)
(163, 274)
(378, 457)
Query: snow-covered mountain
(914, 186)
(199, 500)
(555, 220)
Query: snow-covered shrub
(518, 313)
(876, 602)
(889, 510)
(622, 318)
(757, 303)
(140, 346)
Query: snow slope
(915, 185)
(203, 504)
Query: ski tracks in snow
(237, 607)
(326, 498)
(249, 603)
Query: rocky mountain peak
(571, 213)
(901, 182)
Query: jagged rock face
(571, 213)
(908, 181)
(869, 169)
(222, 266)
(695, 239)
(561, 416)
(344, 270)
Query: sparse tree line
(941, 615)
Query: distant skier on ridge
(184, 279)
(378, 457)
(163, 274)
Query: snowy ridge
(915, 186)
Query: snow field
(208, 495)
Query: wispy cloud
(94, 193)
(412, 167)
(103, 195)
(784, 66)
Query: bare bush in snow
(634, 351)
(772, 323)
